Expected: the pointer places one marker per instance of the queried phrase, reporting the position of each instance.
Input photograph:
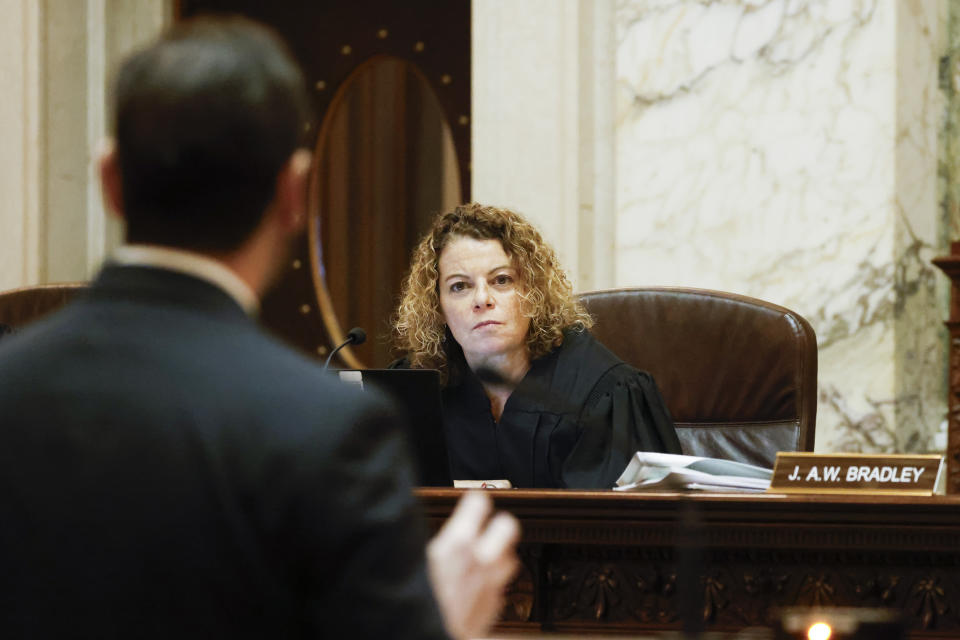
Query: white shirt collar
(191, 264)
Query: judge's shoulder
(581, 351)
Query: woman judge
(529, 395)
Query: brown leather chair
(738, 374)
(22, 306)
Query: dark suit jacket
(167, 470)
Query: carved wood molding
(604, 587)
(610, 563)
(745, 536)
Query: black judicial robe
(573, 422)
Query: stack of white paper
(649, 471)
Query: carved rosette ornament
(763, 589)
(928, 600)
(817, 591)
(715, 597)
(602, 585)
(950, 265)
(520, 595)
(877, 591)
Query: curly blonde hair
(546, 293)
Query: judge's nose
(481, 297)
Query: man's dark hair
(204, 120)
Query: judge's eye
(457, 287)
(502, 279)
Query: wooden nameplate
(908, 475)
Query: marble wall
(543, 133)
(19, 157)
(56, 59)
(789, 150)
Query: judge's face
(480, 300)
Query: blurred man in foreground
(166, 469)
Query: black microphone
(354, 336)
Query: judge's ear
(111, 185)
(291, 196)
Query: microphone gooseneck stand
(354, 336)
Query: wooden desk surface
(604, 561)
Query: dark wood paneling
(610, 562)
(950, 265)
(331, 39)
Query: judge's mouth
(485, 323)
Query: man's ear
(292, 191)
(111, 185)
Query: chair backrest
(738, 374)
(22, 306)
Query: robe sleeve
(624, 414)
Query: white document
(482, 484)
(648, 471)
